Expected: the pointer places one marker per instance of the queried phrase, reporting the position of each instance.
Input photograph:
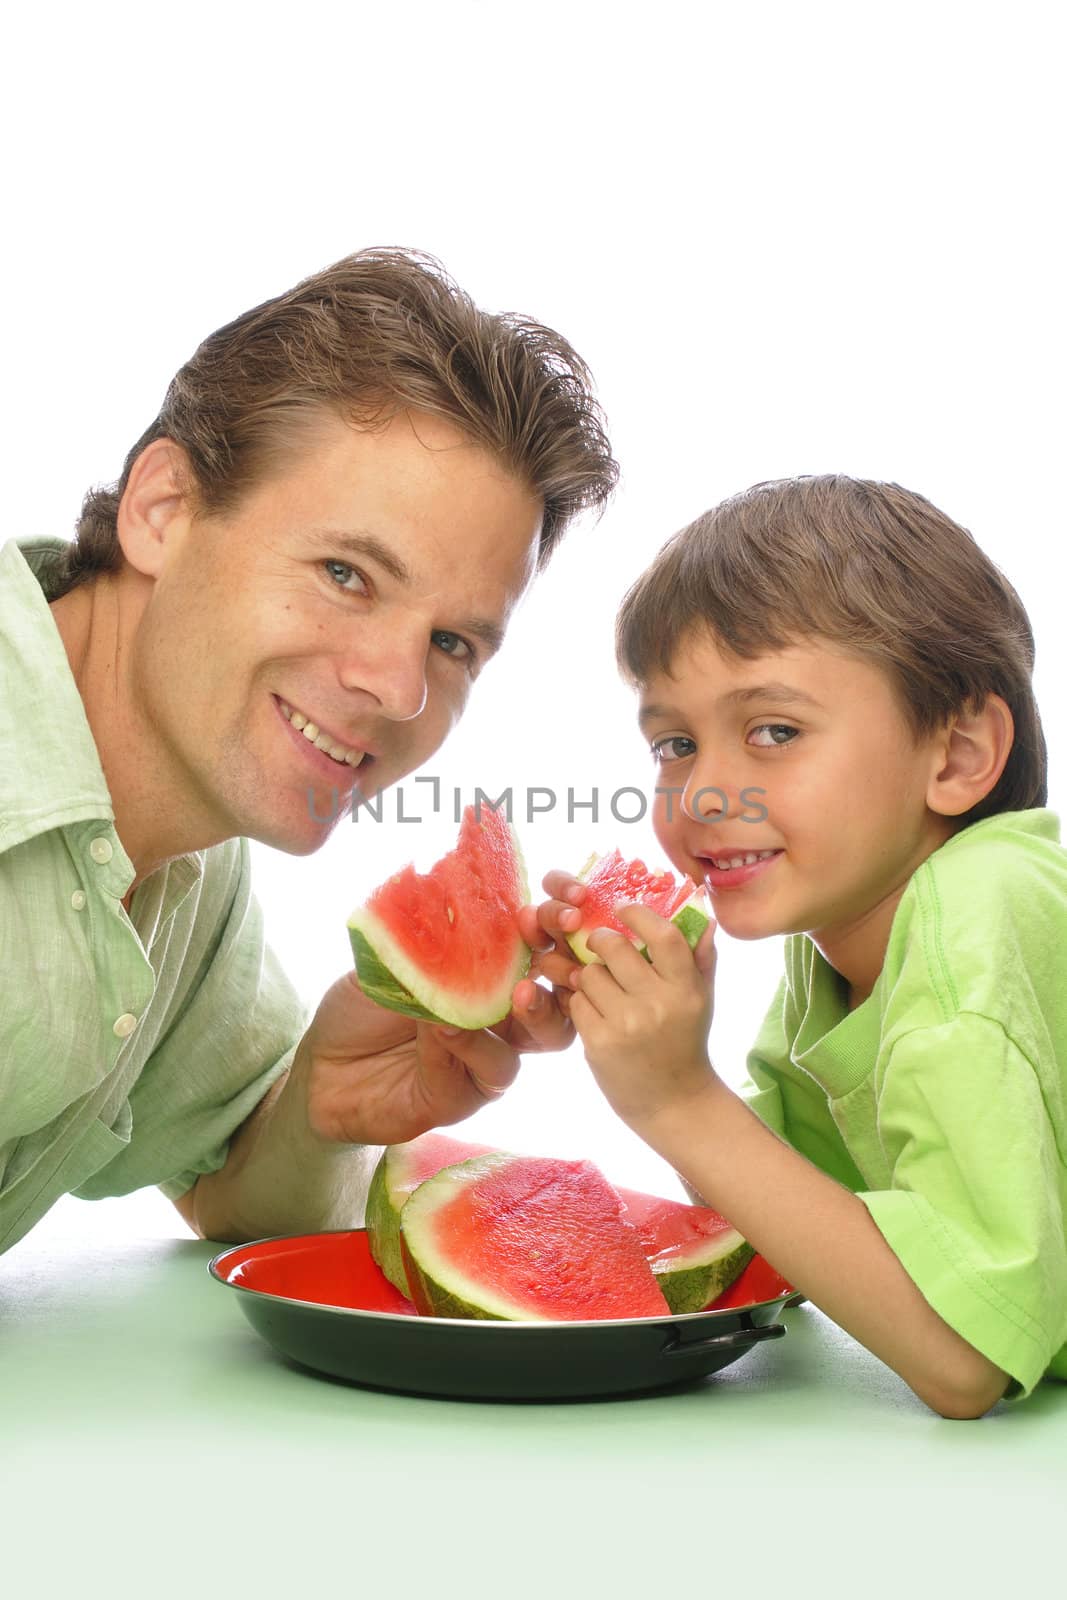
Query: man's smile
(318, 739)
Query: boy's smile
(803, 801)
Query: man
(308, 558)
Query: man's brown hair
(378, 332)
(868, 567)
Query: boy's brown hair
(869, 567)
(378, 332)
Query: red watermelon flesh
(694, 1252)
(400, 1170)
(445, 945)
(610, 879)
(525, 1239)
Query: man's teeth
(321, 741)
(723, 863)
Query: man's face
(806, 762)
(358, 592)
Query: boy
(848, 650)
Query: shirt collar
(51, 773)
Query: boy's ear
(971, 755)
(155, 510)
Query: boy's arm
(824, 1240)
(644, 1025)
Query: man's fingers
(490, 1063)
(542, 1015)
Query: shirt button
(101, 851)
(123, 1026)
(77, 899)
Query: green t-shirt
(940, 1100)
(131, 1046)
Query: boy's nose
(704, 801)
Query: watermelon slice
(525, 1239)
(445, 945)
(693, 1251)
(611, 878)
(399, 1172)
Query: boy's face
(802, 758)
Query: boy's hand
(545, 928)
(645, 1024)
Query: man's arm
(361, 1077)
(279, 1177)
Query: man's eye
(452, 645)
(676, 748)
(341, 573)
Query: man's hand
(373, 1076)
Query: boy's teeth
(723, 863)
(322, 741)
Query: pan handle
(737, 1339)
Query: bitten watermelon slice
(524, 1239)
(445, 945)
(693, 1251)
(610, 879)
(400, 1170)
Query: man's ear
(971, 755)
(154, 511)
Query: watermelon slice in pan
(400, 1170)
(694, 1252)
(525, 1239)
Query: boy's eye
(775, 729)
(341, 572)
(674, 748)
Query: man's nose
(392, 669)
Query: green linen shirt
(131, 1046)
(942, 1099)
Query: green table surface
(152, 1444)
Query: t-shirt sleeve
(233, 1030)
(788, 1100)
(974, 1209)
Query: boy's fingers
(627, 966)
(705, 953)
(671, 956)
(547, 925)
(565, 887)
(531, 931)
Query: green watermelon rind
(689, 1283)
(690, 920)
(434, 1300)
(426, 1277)
(376, 980)
(382, 1222)
(391, 1186)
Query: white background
(786, 237)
